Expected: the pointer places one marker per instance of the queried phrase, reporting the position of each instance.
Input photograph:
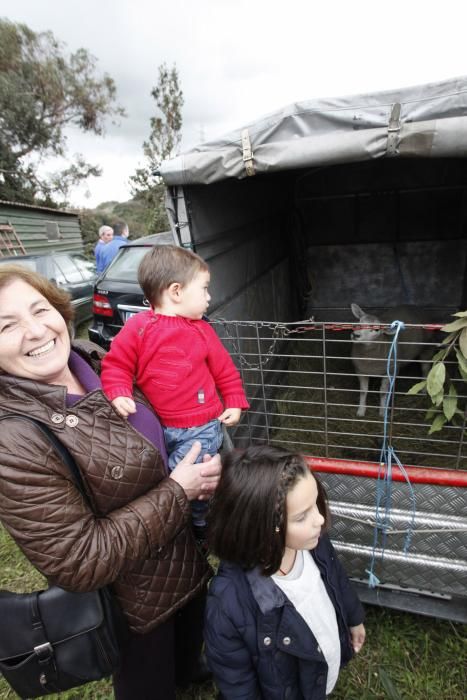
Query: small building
(27, 228)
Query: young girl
(282, 617)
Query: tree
(43, 91)
(163, 142)
(439, 385)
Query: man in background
(120, 237)
(105, 234)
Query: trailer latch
(394, 127)
(247, 153)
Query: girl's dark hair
(247, 521)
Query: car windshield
(86, 267)
(124, 267)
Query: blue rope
(384, 480)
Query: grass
(406, 657)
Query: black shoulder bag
(54, 639)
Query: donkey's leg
(364, 381)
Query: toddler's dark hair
(165, 264)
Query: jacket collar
(265, 592)
(44, 401)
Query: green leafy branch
(438, 384)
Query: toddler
(176, 359)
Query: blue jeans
(178, 441)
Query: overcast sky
(240, 59)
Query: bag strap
(60, 449)
(42, 648)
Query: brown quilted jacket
(142, 544)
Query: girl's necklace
(285, 573)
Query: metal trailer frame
(350, 199)
(313, 411)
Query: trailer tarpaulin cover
(424, 121)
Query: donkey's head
(365, 334)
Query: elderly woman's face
(34, 339)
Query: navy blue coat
(258, 646)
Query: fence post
(260, 367)
(242, 374)
(325, 394)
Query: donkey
(370, 347)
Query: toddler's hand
(124, 406)
(231, 416)
(357, 635)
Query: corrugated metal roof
(35, 206)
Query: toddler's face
(304, 521)
(195, 297)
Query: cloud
(240, 60)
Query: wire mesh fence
(304, 392)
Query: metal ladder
(10, 244)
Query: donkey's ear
(357, 311)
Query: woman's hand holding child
(198, 480)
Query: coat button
(286, 641)
(117, 472)
(72, 421)
(267, 641)
(57, 418)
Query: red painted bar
(417, 475)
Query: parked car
(117, 294)
(70, 272)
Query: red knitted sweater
(178, 364)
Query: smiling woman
(34, 338)
(139, 510)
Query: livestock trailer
(330, 202)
